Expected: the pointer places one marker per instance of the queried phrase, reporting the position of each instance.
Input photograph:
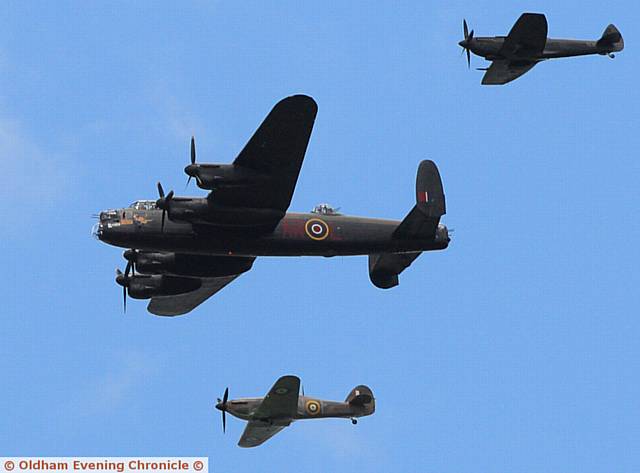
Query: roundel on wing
(316, 229)
(312, 407)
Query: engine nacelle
(191, 265)
(147, 286)
(217, 176)
(206, 211)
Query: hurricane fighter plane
(182, 250)
(527, 44)
(283, 405)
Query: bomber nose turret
(96, 230)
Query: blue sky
(514, 350)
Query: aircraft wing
(527, 38)
(275, 152)
(258, 432)
(275, 412)
(502, 71)
(183, 303)
(282, 400)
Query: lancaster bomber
(283, 405)
(182, 250)
(527, 44)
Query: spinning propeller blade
(225, 397)
(163, 202)
(193, 158)
(468, 37)
(123, 280)
(132, 256)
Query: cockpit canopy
(144, 205)
(325, 209)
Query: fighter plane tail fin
(611, 40)
(362, 396)
(422, 221)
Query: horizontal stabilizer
(384, 268)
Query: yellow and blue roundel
(316, 229)
(312, 407)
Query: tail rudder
(429, 189)
(611, 40)
(422, 221)
(362, 397)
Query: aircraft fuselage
(308, 408)
(297, 234)
(489, 48)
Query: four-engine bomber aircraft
(182, 250)
(283, 405)
(527, 44)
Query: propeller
(163, 202)
(468, 37)
(131, 256)
(123, 280)
(191, 169)
(222, 405)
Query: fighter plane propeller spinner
(182, 250)
(283, 405)
(527, 44)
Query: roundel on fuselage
(316, 229)
(312, 407)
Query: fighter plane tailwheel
(611, 55)
(354, 421)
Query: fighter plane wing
(527, 38)
(275, 151)
(182, 303)
(503, 71)
(275, 412)
(258, 432)
(282, 400)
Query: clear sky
(514, 350)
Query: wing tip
(301, 102)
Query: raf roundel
(316, 229)
(312, 407)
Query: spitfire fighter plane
(283, 405)
(527, 44)
(182, 250)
